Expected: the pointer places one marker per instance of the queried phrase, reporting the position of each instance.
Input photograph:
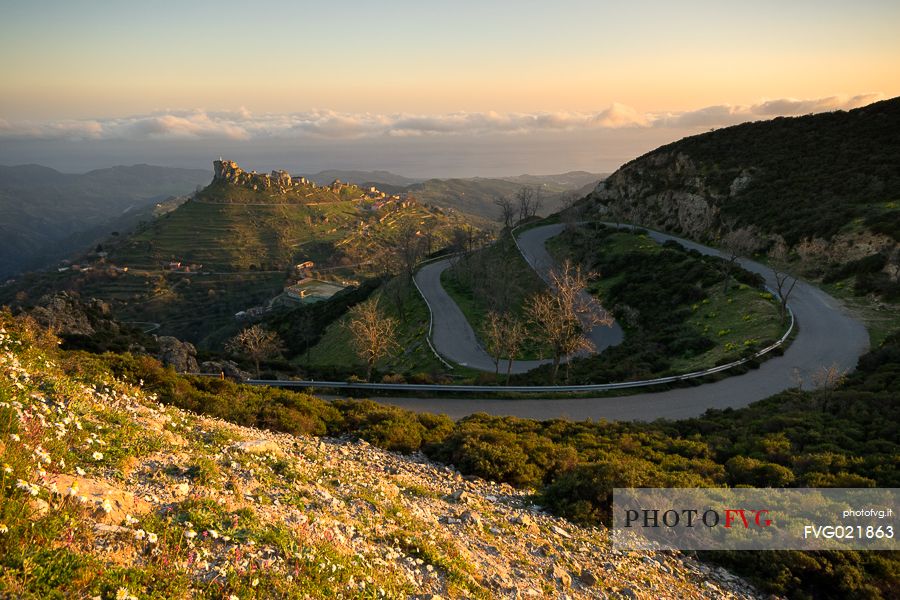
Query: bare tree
(737, 243)
(507, 211)
(615, 212)
(306, 330)
(465, 237)
(562, 314)
(784, 282)
(571, 214)
(398, 290)
(638, 213)
(256, 344)
(373, 333)
(524, 197)
(514, 334)
(537, 202)
(828, 379)
(503, 335)
(493, 337)
(530, 201)
(409, 246)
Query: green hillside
(802, 177)
(476, 196)
(239, 236)
(232, 248)
(822, 190)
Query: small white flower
(28, 487)
(190, 534)
(129, 520)
(122, 594)
(3, 528)
(139, 534)
(73, 489)
(255, 582)
(7, 469)
(80, 471)
(15, 437)
(97, 456)
(106, 506)
(214, 534)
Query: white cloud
(621, 115)
(732, 114)
(791, 106)
(241, 124)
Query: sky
(423, 88)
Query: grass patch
(399, 299)
(880, 318)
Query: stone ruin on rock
(276, 181)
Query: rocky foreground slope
(107, 494)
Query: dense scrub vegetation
(822, 170)
(672, 303)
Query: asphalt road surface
(453, 336)
(827, 335)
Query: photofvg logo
(693, 517)
(754, 519)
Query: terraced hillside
(229, 237)
(235, 246)
(248, 222)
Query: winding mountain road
(453, 336)
(827, 335)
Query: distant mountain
(360, 177)
(476, 196)
(48, 215)
(571, 179)
(473, 195)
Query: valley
(643, 282)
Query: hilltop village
(250, 243)
(280, 181)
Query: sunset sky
(421, 88)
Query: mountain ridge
(823, 187)
(49, 214)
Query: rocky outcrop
(68, 315)
(663, 190)
(228, 368)
(182, 356)
(110, 504)
(667, 191)
(781, 177)
(278, 181)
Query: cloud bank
(241, 124)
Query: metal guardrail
(598, 387)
